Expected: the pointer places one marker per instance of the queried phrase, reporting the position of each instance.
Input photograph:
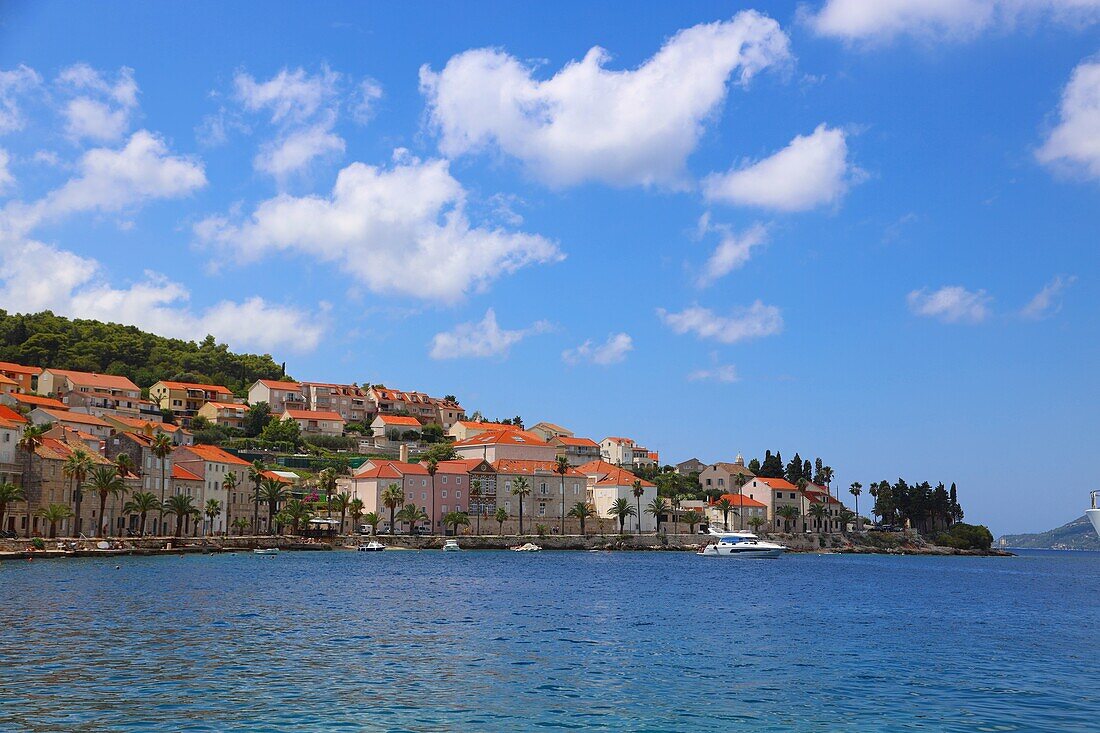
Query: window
(423, 482)
(444, 493)
(458, 507)
(444, 508)
(708, 482)
(423, 496)
(458, 494)
(444, 479)
(576, 489)
(542, 509)
(721, 482)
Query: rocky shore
(60, 548)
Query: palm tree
(561, 467)
(819, 511)
(125, 465)
(789, 514)
(9, 494)
(392, 498)
(739, 481)
(454, 520)
(845, 516)
(297, 511)
(475, 501)
(433, 466)
(412, 514)
(692, 518)
(756, 523)
(273, 493)
(621, 509)
(162, 448)
(105, 481)
(342, 502)
(212, 509)
(855, 490)
(28, 444)
(355, 509)
(725, 506)
(256, 476)
(326, 479)
(182, 506)
(241, 523)
(501, 516)
(53, 514)
(141, 503)
(229, 483)
(521, 489)
(638, 491)
(657, 508)
(582, 511)
(373, 519)
(676, 499)
(76, 468)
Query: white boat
(266, 551)
(742, 544)
(1094, 513)
(529, 547)
(451, 546)
(372, 546)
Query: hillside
(44, 339)
(1076, 535)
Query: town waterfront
(499, 641)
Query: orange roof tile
(39, 401)
(777, 483)
(74, 417)
(585, 442)
(313, 415)
(191, 385)
(92, 379)
(9, 414)
(487, 425)
(519, 465)
(392, 469)
(742, 500)
(5, 380)
(398, 420)
(608, 474)
(182, 474)
(227, 405)
(7, 366)
(503, 437)
(214, 454)
(277, 384)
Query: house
(721, 476)
(394, 427)
(211, 464)
(185, 399)
(349, 400)
(73, 420)
(545, 502)
(11, 430)
(92, 443)
(644, 457)
(279, 395)
(92, 393)
(149, 428)
(775, 493)
(816, 494)
(619, 451)
(228, 414)
(608, 483)
(25, 377)
(578, 451)
(102, 404)
(8, 385)
(492, 445)
(447, 491)
(464, 429)
(315, 422)
(690, 466)
(744, 509)
(443, 412)
(548, 430)
(27, 402)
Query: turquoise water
(499, 641)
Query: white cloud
(481, 339)
(591, 123)
(883, 20)
(289, 95)
(733, 250)
(1075, 142)
(13, 84)
(398, 230)
(101, 110)
(1047, 302)
(362, 104)
(112, 180)
(742, 323)
(6, 178)
(726, 373)
(297, 150)
(950, 304)
(612, 351)
(813, 170)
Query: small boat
(742, 544)
(372, 546)
(266, 551)
(451, 546)
(528, 547)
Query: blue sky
(865, 232)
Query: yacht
(372, 546)
(1094, 513)
(266, 551)
(451, 546)
(741, 544)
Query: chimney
(403, 453)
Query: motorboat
(451, 546)
(266, 551)
(742, 544)
(372, 546)
(527, 547)
(1094, 513)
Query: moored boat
(527, 547)
(742, 544)
(451, 546)
(266, 551)
(1094, 513)
(372, 546)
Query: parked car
(886, 528)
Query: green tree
(439, 452)
(297, 511)
(756, 523)
(341, 503)
(501, 516)
(521, 489)
(125, 465)
(475, 502)
(241, 524)
(181, 506)
(326, 481)
(9, 494)
(432, 466)
(141, 503)
(162, 448)
(582, 511)
(355, 509)
(845, 517)
(212, 509)
(789, 514)
(793, 471)
(621, 509)
(53, 514)
(272, 493)
(638, 490)
(819, 512)
(259, 415)
(373, 519)
(739, 481)
(855, 490)
(229, 483)
(284, 432)
(725, 506)
(256, 476)
(76, 468)
(412, 514)
(392, 498)
(561, 467)
(691, 519)
(658, 508)
(105, 481)
(454, 520)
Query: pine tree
(754, 466)
(794, 469)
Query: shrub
(541, 530)
(966, 537)
(332, 442)
(38, 543)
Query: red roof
(76, 417)
(391, 469)
(608, 474)
(179, 472)
(613, 439)
(100, 381)
(215, 454)
(503, 437)
(399, 420)
(5, 380)
(776, 483)
(517, 465)
(9, 414)
(742, 500)
(7, 366)
(585, 442)
(313, 415)
(277, 477)
(39, 401)
(276, 384)
(227, 405)
(191, 385)
(487, 425)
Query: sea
(503, 641)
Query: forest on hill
(47, 340)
